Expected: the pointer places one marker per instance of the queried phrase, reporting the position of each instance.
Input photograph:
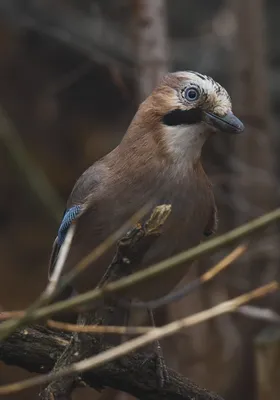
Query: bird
(159, 161)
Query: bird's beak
(228, 123)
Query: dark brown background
(68, 89)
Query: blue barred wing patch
(70, 215)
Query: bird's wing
(86, 184)
(69, 216)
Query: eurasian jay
(157, 161)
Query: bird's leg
(62, 388)
(78, 349)
(161, 369)
(126, 311)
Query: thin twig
(151, 228)
(59, 264)
(207, 276)
(265, 314)
(191, 286)
(102, 248)
(10, 314)
(224, 263)
(9, 326)
(210, 274)
(136, 343)
(99, 329)
(157, 269)
(144, 275)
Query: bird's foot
(61, 389)
(80, 347)
(161, 368)
(161, 371)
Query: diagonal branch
(52, 289)
(37, 348)
(175, 296)
(102, 358)
(193, 285)
(157, 269)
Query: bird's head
(184, 110)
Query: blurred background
(72, 73)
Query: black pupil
(192, 94)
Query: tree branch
(104, 357)
(36, 349)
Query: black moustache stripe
(182, 117)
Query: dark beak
(228, 123)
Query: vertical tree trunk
(252, 160)
(151, 44)
(151, 51)
(253, 183)
(253, 187)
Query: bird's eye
(191, 94)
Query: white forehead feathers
(213, 92)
